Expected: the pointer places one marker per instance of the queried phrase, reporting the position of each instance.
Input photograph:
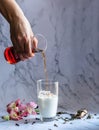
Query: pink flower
(11, 106)
(32, 104)
(17, 110)
(15, 116)
(22, 107)
(18, 102)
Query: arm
(10, 10)
(20, 29)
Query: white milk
(47, 104)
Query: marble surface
(77, 124)
(71, 28)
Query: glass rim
(47, 81)
(44, 38)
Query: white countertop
(77, 124)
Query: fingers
(22, 53)
(35, 42)
(23, 46)
(28, 47)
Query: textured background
(72, 31)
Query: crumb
(17, 124)
(89, 116)
(33, 122)
(26, 122)
(59, 112)
(63, 112)
(37, 119)
(55, 125)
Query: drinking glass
(47, 94)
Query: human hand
(20, 30)
(22, 37)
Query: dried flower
(17, 110)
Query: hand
(22, 37)
(20, 30)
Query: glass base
(46, 119)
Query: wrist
(15, 17)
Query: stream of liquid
(45, 67)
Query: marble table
(31, 123)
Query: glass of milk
(47, 93)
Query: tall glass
(47, 93)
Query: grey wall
(72, 31)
